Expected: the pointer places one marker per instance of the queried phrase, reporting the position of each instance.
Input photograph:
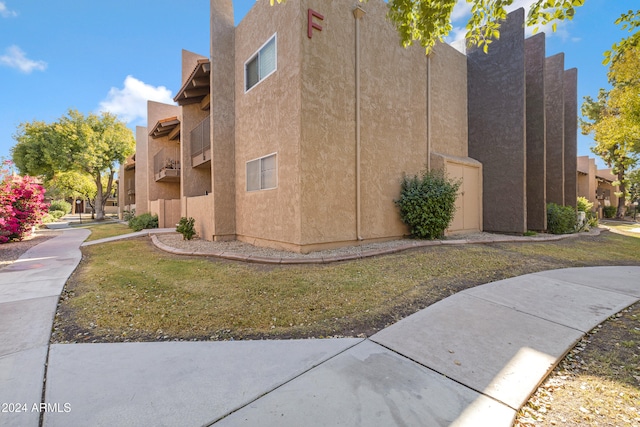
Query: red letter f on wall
(312, 25)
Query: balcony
(166, 165)
(201, 144)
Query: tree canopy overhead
(92, 145)
(429, 21)
(614, 118)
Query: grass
(104, 230)
(159, 296)
(626, 228)
(163, 296)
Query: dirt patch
(597, 383)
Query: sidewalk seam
(441, 374)
(283, 384)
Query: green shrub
(561, 219)
(186, 227)
(583, 205)
(427, 203)
(47, 218)
(60, 205)
(144, 221)
(127, 215)
(57, 214)
(609, 211)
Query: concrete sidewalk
(471, 359)
(29, 292)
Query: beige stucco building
(597, 184)
(296, 130)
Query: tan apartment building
(297, 130)
(597, 184)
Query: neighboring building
(596, 184)
(127, 186)
(298, 129)
(587, 181)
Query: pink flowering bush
(21, 205)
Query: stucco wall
(168, 212)
(328, 146)
(142, 164)
(306, 113)
(222, 119)
(268, 121)
(393, 123)
(448, 99)
(200, 208)
(586, 182)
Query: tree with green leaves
(75, 185)
(92, 145)
(633, 193)
(429, 21)
(629, 21)
(613, 119)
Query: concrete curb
(235, 256)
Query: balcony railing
(201, 143)
(166, 165)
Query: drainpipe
(358, 13)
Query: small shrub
(144, 221)
(561, 219)
(186, 227)
(609, 211)
(583, 205)
(127, 215)
(530, 233)
(60, 205)
(47, 218)
(427, 203)
(57, 214)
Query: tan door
(468, 203)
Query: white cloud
(462, 9)
(130, 102)
(6, 13)
(14, 57)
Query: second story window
(261, 65)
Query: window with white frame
(262, 64)
(262, 173)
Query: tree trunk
(623, 197)
(99, 205)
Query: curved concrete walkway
(471, 359)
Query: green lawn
(108, 229)
(131, 290)
(626, 228)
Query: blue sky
(98, 55)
